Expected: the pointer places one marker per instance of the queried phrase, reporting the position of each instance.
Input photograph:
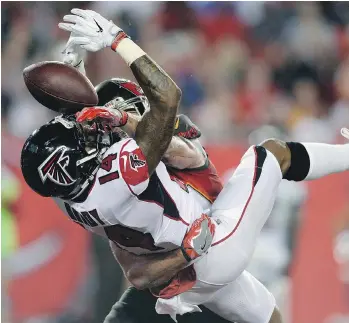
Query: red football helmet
(127, 95)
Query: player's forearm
(158, 270)
(148, 271)
(155, 130)
(131, 125)
(155, 270)
(161, 91)
(181, 153)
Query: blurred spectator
(257, 52)
(307, 119)
(308, 36)
(339, 112)
(240, 65)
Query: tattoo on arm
(155, 130)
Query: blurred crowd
(239, 64)
(247, 70)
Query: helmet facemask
(94, 147)
(137, 105)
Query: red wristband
(119, 37)
(124, 118)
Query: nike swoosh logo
(100, 28)
(204, 246)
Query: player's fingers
(79, 21)
(83, 30)
(74, 19)
(71, 58)
(91, 13)
(77, 41)
(91, 47)
(345, 132)
(65, 26)
(80, 12)
(70, 18)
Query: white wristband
(129, 51)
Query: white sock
(326, 159)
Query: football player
(152, 214)
(188, 165)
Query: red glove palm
(198, 238)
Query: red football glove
(104, 118)
(185, 128)
(198, 238)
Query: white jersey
(140, 213)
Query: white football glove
(345, 132)
(73, 54)
(93, 31)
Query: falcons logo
(135, 162)
(54, 168)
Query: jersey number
(107, 165)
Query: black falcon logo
(54, 168)
(98, 25)
(136, 162)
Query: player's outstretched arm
(149, 271)
(154, 131)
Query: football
(59, 87)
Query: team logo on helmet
(54, 168)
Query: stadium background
(241, 66)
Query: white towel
(174, 306)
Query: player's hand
(73, 54)
(101, 118)
(198, 238)
(345, 132)
(94, 31)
